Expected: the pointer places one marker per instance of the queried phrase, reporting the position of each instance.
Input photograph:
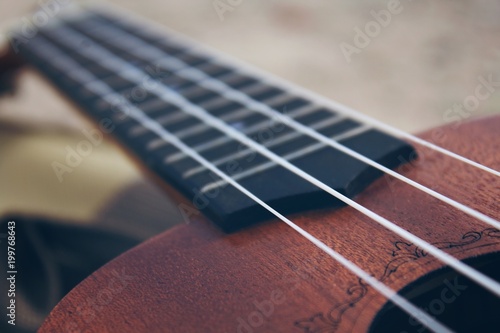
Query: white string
(397, 132)
(225, 90)
(135, 74)
(386, 291)
(333, 105)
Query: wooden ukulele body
(267, 278)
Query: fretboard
(145, 85)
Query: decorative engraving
(403, 253)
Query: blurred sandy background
(428, 58)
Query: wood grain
(267, 278)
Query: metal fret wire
(276, 141)
(289, 157)
(222, 140)
(172, 97)
(307, 109)
(386, 291)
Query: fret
(227, 107)
(214, 70)
(276, 141)
(80, 76)
(191, 91)
(254, 160)
(182, 165)
(257, 87)
(332, 130)
(176, 82)
(119, 118)
(235, 115)
(99, 70)
(196, 97)
(81, 59)
(153, 37)
(137, 95)
(113, 102)
(319, 116)
(214, 103)
(235, 77)
(170, 49)
(155, 143)
(172, 118)
(117, 82)
(137, 58)
(140, 142)
(285, 102)
(290, 157)
(137, 130)
(182, 124)
(183, 128)
(149, 55)
(189, 131)
(192, 59)
(107, 67)
(204, 133)
(266, 94)
(109, 103)
(220, 141)
(199, 149)
(250, 123)
(93, 88)
(62, 65)
(206, 136)
(201, 95)
(203, 127)
(193, 130)
(239, 81)
(166, 64)
(152, 106)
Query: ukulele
(265, 174)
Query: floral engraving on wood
(403, 253)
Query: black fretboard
(115, 68)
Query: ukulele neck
(146, 85)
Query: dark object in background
(10, 64)
(51, 258)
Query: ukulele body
(268, 278)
